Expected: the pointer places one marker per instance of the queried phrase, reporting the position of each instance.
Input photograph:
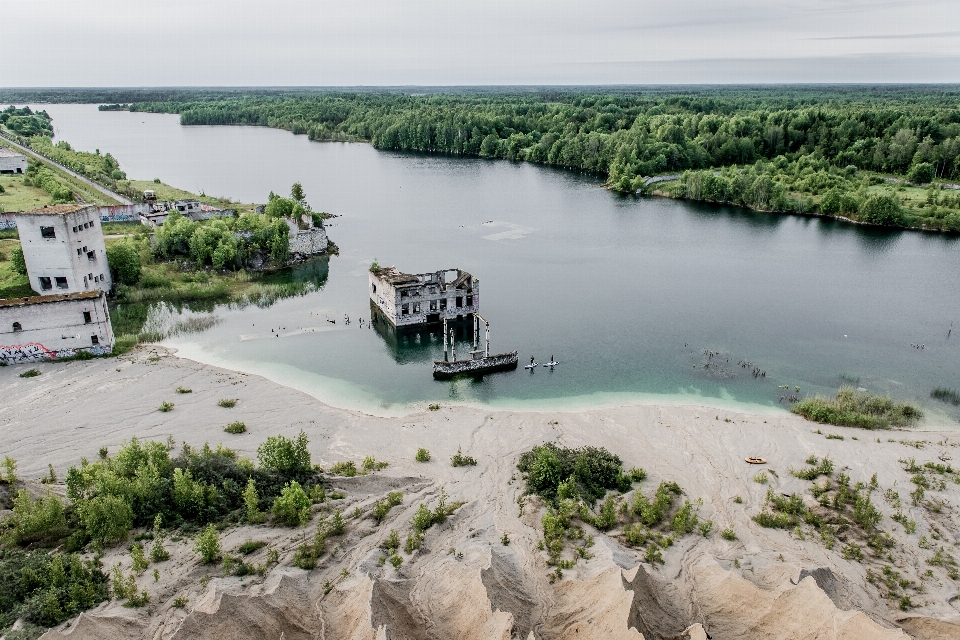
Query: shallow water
(628, 293)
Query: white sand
(738, 589)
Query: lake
(634, 295)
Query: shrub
(392, 543)
(883, 209)
(853, 409)
(761, 478)
(30, 373)
(17, 262)
(382, 507)
(684, 520)
(347, 469)
(165, 406)
(124, 261)
(921, 173)
(423, 455)
(422, 519)
(251, 500)
(236, 427)
(728, 534)
(460, 460)
(396, 561)
(227, 403)
(184, 390)
(337, 526)
(107, 519)
(292, 506)
(9, 470)
(370, 464)
(591, 471)
(208, 545)
(824, 468)
(637, 475)
(251, 546)
(607, 518)
(139, 562)
(35, 520)
(282, 454)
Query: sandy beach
(766, 583)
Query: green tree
(296, 192)
(279, 453)
(921, 173)
(208, 545)
(124, 261)
(107, 519)
(883, 209)
(292, 506)
(17, 262)
(251, 500)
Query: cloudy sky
(457, 42)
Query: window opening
(17, 327)
(94, 339)
(45, 284)
(86, 317)
(47, 232)
(62, 283)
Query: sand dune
(464, 582)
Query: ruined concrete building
(411, 299)
(63, 248)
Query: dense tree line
(224, 243)
(626, 136)
(26, 122)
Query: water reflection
(422, 343)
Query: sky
(136, 43)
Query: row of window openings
(405, 309)
(87, 319)
(50, 232)
(91, 255)
(47, 283)
(412, 293)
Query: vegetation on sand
(854, 409)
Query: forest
(833, 150)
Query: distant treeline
(628, 133)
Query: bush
(17, 262)
(292, 506)
(208, 545)
(9, 470)
(107, 519)
(460, 460)
(590, 471)
(35, 520)
(236, 427)
(251, 500)
(853, 409)
(347, 469)
(46, 589)
(423, 455)
(882, 209)
(370, 464)
(921, 173)
(282, 454)
(227, 403)
(30, 373)
(124, 261)
(165, 407)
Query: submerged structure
(480, 362)
(414, 299)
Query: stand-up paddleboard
(532, 366)
(550, 364)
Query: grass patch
(853, 409)
(235, 427)
(460, 460)
(165, 407)
(949, 396)
(423, 455)
(30, 373)
(227, 403)
(184, 390)
(251, 546)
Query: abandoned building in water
(414, 299)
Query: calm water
(626, 292)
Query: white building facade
(411, 299)
(64, 250)
(12, 162)
(55, 326)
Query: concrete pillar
(445, 339)
(487, 354)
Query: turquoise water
(631, 294)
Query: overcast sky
(78, 43)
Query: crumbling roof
(464, 278)
(9, 153)
(392, 276)
(83, 295)
(56, 209)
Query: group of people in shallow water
(533, 360)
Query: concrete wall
(8, 221)
(308, 242)
(113, 213)
(75, 253)
(433, 299)
(54, 327)
(13, 163)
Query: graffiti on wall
(36, 352)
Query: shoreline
(74, 408)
